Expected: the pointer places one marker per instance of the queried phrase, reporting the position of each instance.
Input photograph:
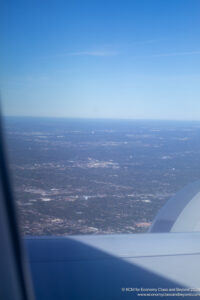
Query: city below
(76, 176)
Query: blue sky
(135, 59)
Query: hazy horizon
(98, 118)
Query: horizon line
(99, 118)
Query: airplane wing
(114, 266)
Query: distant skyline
(131, 59)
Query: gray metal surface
(98, 267)
(181, 212)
